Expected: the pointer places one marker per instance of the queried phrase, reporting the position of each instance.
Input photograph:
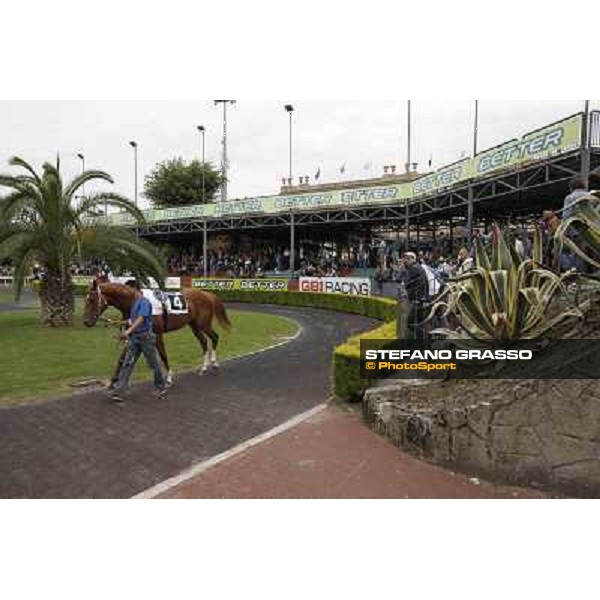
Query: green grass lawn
(39, 362)
(7, 297)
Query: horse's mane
(117, 289)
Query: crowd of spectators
(311, 259)
(383, 260)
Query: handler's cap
(410, 255)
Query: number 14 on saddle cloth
(173, 302)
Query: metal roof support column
(470, 214)
(407, 224)
(585, 145)
(205, 247)
(292, 243)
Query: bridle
(102, 304)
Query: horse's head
(95, 304)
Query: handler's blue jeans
(143, 343)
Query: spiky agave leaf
(506, 296)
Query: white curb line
(195, 470)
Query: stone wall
(533, 433)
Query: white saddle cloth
(173, 301)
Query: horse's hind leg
(200, 337)
(213, 343)
(162, 351)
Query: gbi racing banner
(350, 286)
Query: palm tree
(40, 223)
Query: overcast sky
(327, 134)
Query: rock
(543, 433)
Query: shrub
(382, 309)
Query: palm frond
(113, 199)
(84, 178)
(17, 161)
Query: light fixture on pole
(81, 157)
(224, 162)
(135, 170)
(290, 110)
(202, 131)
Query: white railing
(595, 129)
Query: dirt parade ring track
(85, 446)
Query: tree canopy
(176, 182)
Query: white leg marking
(207, 356)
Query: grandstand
(514, 181)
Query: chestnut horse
(202, 308)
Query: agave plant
(40, 223)
(580, 232)
(506, 296)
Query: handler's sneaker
(160, 394)
(117, 398)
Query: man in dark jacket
(415, 279)
(417, 289)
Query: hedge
(382, 309)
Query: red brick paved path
(333, 455)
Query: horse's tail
(221, 314)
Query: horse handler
(140, 339)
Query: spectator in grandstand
(380, 277)
(577, 190)
(548, 225)
(465, 261)
(443, 269)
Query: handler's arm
(134, 325)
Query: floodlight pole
(408, 149)
(82, 159)
(224, 164)
(290, 110)
(202, 131)
(135, 171)
(476, 128)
